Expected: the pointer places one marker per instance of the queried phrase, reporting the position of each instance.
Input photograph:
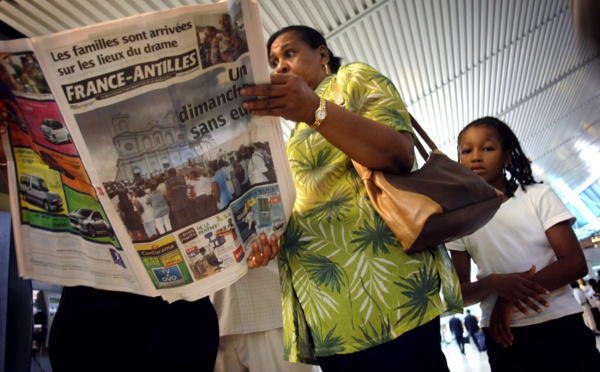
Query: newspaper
(132, 164)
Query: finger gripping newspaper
(132, 164)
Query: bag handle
(338, 99)
(417, 127)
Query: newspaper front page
(134, 166)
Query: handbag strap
(338, 99)
(417, 127)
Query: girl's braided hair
(519, 166)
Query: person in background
(457, 329)
(98, 330)
(590, 289)
(472, 326)
(40, 318)
(353, 300)
(526, 255)
(251, 327)
(595, 292)
(586, 307)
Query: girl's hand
(520, 290)
(500, 322)
(263, 251)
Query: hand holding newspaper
(132, 164)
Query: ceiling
(452, 60)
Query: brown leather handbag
(440, 202)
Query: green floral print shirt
(347, 284)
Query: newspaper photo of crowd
(159, 203)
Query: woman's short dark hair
(310, 37)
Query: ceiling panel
(452, 60)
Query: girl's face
(481, 150)
(290, 54)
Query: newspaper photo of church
(149, 150)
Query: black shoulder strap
(417, 127)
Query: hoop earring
(327, 70)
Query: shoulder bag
(438, 203)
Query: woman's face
(290, 54)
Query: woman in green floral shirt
(352, 299)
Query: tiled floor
(471, 361)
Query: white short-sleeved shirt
(514, 240)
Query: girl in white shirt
(526, 255)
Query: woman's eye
(274, 62)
